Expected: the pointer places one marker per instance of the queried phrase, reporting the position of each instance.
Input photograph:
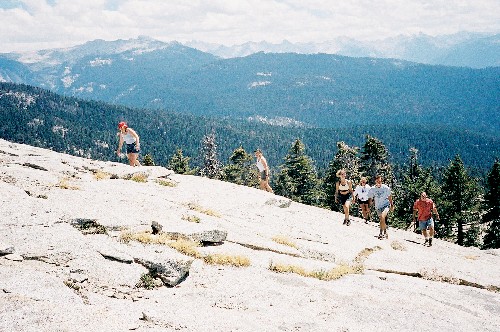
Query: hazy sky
(42, 24)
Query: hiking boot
(380, 236)
(366, 221)
(430, 242)
(348, 222)
(345, 222)
(426, 242)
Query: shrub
(166, 183)
(146, 281)
(139, 177)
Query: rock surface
(68, 261)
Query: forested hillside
(88, 128)
(316, 90)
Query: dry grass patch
(166, 183)
(64, 183)
(186, 247)
(191, 218)
(199, 208)
(223, 259)
(336, 273)
(396, 245)
(472, 258)
(145, 237)
(363, 254)
(100, 175)
(281, 239)
(139, 177)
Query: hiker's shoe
(380, 236)
(345, 222)
(426, 242)
(348, 222)
(366, 221)
(430, 242)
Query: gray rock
(207, 236)
(6, 249)
(14, 257)
(156, 227)
(112, 254)
(170, 271)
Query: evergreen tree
(346, 158)
(491, 239)
(148, 160)
(375, 160)
(180, 164)
(460, 199)
(241, 169)
(212, 167)
(297, 178)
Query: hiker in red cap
(130, 137)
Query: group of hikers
(379, 195)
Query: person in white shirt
(361, 195)
(130, 137)
(263, 171)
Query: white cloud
(35, 24)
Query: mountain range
(464, 49)
(310, 90)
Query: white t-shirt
(381, 195)
(362, 192)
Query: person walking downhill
(130, 137)
(381, 195)
(343, 193)
(263, 171)
(361, 195)
(424, 206)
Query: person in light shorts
(361, 196)
(422, 211)
(381, 195)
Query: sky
(28, 25)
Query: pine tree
(241, 169)
(212, 167)
(460, 200)
(491, 239)
(180, 164)
(346, 158)
(148, 160)
(375, 160)
(297, 178)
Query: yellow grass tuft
(281, 239)
(186, 247)
(336, 273)
(100, 175)
(166, 183)
(139, 177)
(363, 254)
(198, 208)
(191, 218)
(145, 237)
(222, 259)
(64, 183)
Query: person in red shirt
(424, 206)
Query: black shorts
(363, 202)
(263, 175)
(131, 148)
(344, 198)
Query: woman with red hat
(130, 137)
